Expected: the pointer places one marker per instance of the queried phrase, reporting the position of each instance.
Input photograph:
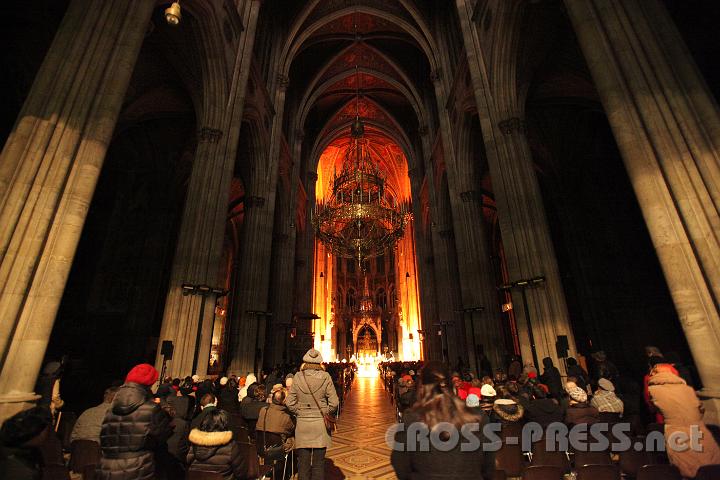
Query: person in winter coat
(437, 404)
(249, 380)
(507, 411)
(312, 384)
(89, 424)
(575, 370)
(207, 403)
(579, 411)
(133, 429)
(551, 377)
(212, 448)
(275, 418)
(21, 438)
(541, 409)
(683, 413)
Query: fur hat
(578, 394)
(472, 400)
(25, 426)
(313, 356)
(196, 378)
(606, 384)
(144, 374)
(488, 391)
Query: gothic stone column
(48, 173)
(667, 126)
(200, 242)
(527, 241)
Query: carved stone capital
(210, 135)
(435, 75)
(253, 202)
(512, 125)
(283, 81)
(470, 196)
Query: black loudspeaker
(167, 349)
(562, 346)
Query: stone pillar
(247, 337)
(48, 172)
(304, 257)
(667, 126)
(197, 256)
(477, 284)
(523, 225)
(528, 245)
(283, 276)
(425, 268)
(200, 241)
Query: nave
(358, 447)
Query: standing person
(436, 404)
(683, 413)
(312, 396)
(133, 429)
(89, 424)
(551, 378)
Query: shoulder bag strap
(312, 394)
(267, 409)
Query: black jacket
(133, 428)
(543, 411)
(436, 464)
(216, 452)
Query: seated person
(89, 423)
(275, 418)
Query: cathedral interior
(543, 176)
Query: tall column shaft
(48, 172)
(525, 232)
(200, 241)
(667, 127)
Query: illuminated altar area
(367, 304)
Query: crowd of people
(519, 393)
(150, 429)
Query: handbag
(273, 453)
(330, 421)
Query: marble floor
(359, 450)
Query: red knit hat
(144, 374)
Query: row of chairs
(613, 472)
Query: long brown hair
(436, 402)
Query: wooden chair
(84, 453)
(598, 472)
(631, 460)
(543, 472)
(510, 457)
(708, 472)
(542, 456)
(659, 472)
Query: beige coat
(276, 419)
(682, 410)
(310, 427)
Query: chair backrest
(708, 472)
(510, 459)
(65, 428)
(598, 472)
(499, 475)
(543, 456)
(196, 475)
(543, 472)
(659, 472)
(631, 460)
(84, 453)
(55, 472)
(591, 458)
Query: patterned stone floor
(359, 450)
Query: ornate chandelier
(356, 218)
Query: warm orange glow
(393, 163)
